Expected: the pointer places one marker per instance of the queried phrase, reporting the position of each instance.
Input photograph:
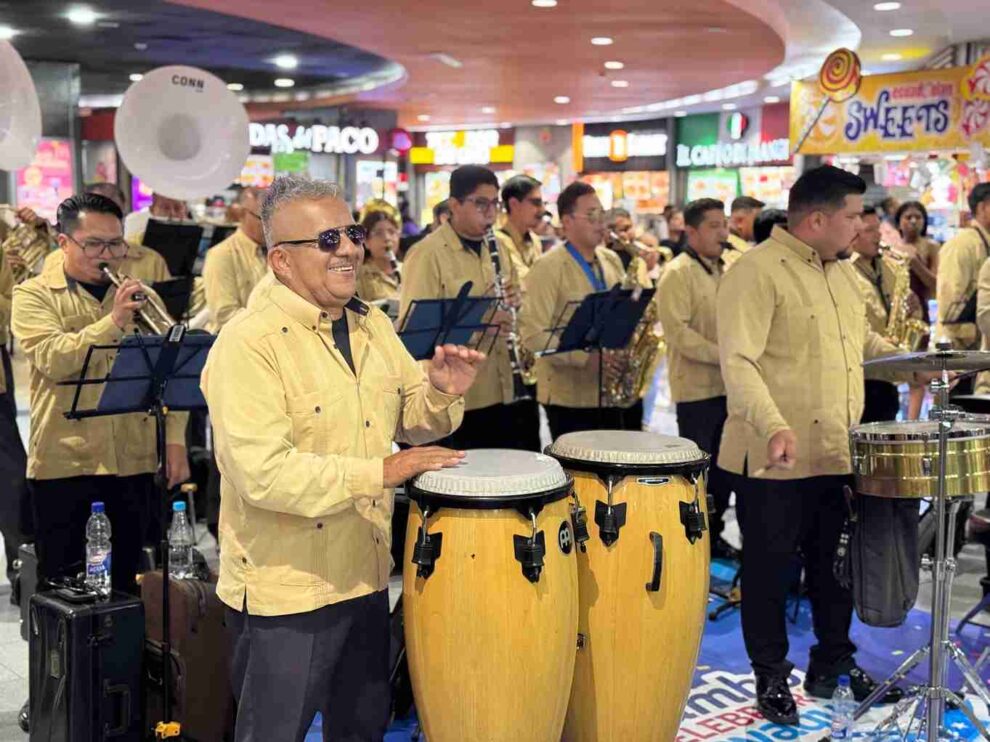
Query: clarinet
(520, 391)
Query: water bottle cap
(178, 506)
(844, 681)
(97, 507)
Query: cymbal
(950, 360)
(978, 403)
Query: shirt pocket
(310, 414)
(387, 403)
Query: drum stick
(760, 472)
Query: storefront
(733, 153)
(921, 135)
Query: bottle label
(97, 564)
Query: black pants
(61, 509)
(515, 425)
(882, 401)
(333, 660)
(13, 466)
(632, 417)
(565, 420)
(702, 422)
(778, 518)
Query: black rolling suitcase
(27, 579)
(86, 668)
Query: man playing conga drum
(307, 389)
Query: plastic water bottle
(98, 551)
(843, 706)
(180, 543)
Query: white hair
(288, 188)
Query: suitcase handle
(125, 708)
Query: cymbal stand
(926, 706)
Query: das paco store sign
(284, 138)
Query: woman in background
(378, 278)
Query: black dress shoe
(823, 686)
(24, 716)
(722, 549)
(774, 700)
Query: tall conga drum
(643, 581)
(489, 591)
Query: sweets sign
(944, 109)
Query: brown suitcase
(201, 697)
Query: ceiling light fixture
(488, 109)
(505, 125)
(614, 65)
(544, 3)
(81, 15)
(620, 83)
(716, 29)
(772, 99)
(893, 57)
(562, 122)
(729, 106)
(284, 82)
(447, 60)
(235, 86)
(286, 62)
(136, 77)
(602, 41)
(886, 6)
(902, 32)
(423, 117)
(140, 46)
(680, 114)
(562, 100)
(7, 33)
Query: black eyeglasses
(95, 248)
(329, 239)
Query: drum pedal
(693, 521)
(609, 521)
(579, 519)
(530, 552)
(426, 552)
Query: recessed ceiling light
(81, 16)
(886, 6)
(716, 29)
(901, 32)
(680, 114)
(892, 57)
(235, 86)
(772, 99)
(284, 82)
(620, 83)
(544, 3)
(729, 106)
(423, 117)
(562, 100)
(602, 41)
(614, 65)
(140, 46)
(286, 62)
(447, 60)
(488, 109)
(7, 33)
(505, 125)
(562, 122)
(136, 77)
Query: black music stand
(175, 293)
(433, 322)
(177, 242)
(605, 320)
(152, 374)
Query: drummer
(307, 388)
(792, 336)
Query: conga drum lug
(582, 641)
(579, 521)
(609, 520)
(653, 585)
(529, 552)
(693, 520)
(426, 552)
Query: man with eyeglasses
(522, 197)
(568, 384)
(56, 317)
(308, 388)
(440, 265)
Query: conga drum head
(628, 452)
(491, 478)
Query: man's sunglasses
(329, 239)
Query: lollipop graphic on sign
(839, 80)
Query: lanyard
(690, 251)
(878, 267)
(598, 284)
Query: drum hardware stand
(608, 517)
(932, 697)
(530, 550)
(427, 548)
(579, 521)
(692, 518)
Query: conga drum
(489, 590)
(643, 581)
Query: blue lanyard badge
(597, 283)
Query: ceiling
(236, 49)
(516, 58)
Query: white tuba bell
(182, 132)
(20, 111)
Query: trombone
(154, 319)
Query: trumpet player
(56, 317)
(522, 197)
(686, 308)
(621, 239)
(495, 416)
(144, 263)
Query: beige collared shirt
(523, 250)
(875, 276)
(437, 269)
(374, 284)
(792, 335)
(6, 296)
(959, 263)
(735, 248)
(55, 322)
(305, 520)
(566, 379)
(685, 301)
(231, 271)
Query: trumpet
(636, 249)
(151, 317)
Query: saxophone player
(685, 302)
(876, 271)
(443, 261)
(522, 198)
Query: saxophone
(633, 366)
(906, 332)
